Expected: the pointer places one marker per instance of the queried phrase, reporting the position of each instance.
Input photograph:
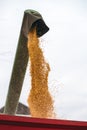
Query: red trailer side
(26, 123)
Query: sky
(64, 46)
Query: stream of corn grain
(39, 100)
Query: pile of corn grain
(39, 100)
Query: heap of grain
(39, 100)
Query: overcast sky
(65, 49)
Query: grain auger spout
(31, 19)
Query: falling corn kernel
(39, 100)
